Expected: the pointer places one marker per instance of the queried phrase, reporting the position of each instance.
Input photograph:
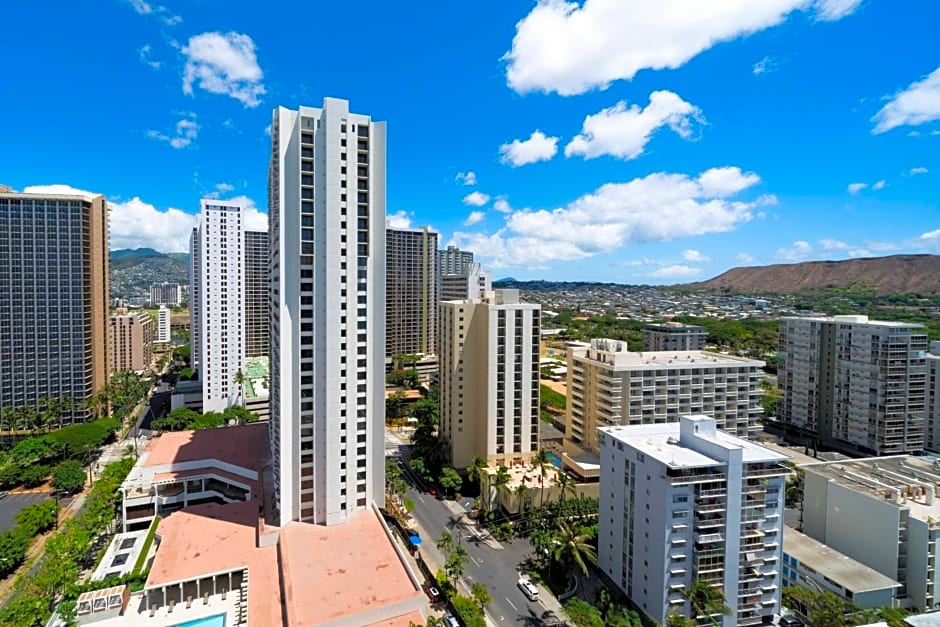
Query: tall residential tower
(53, 298)
(326, 210)
(411, 292)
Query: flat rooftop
(857, 320)
(661, 442)
(614, 353)
(907, 480)
(245, 446)
(828, 562)
(257, 381)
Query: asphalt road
(12, 504)
(496, 568)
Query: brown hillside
(897, 274)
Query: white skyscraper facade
(685, 503)
(326, 202)
(219, 317)
(163, 325)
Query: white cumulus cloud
(745, 258)
(144, 53)
(476, 199)
(570, 47)
(657, 207)
(694, 256)
(466, 178)
(538, 147)
(799, 251)
(138, 224)
(765, 66)
(398, 220)
(58, 188)
(855, 188)
(184, 134)
(624, 132)
(678, 271)
(142, 7)
(935, 234)
(728, 181)
(916, 171)
(879, 184)
(224, 63)
(502, 205)
(475, 217)
(918, 104)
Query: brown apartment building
(131, 340)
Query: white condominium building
(471, 283)
(454, 261)
(674, 336)
(221, 311)
(166, 294)
(882, 512)
(687, 502)
(854, 383)
(326, 214)
(163, 325)
(489, 381)
(610, 385)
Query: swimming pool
(556, 461)
(209, 621)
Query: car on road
(450, 620)
(529, 589)
(3, 494)
(433, 593)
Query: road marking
(475, 560)
(512, 604)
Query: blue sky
(609, 140)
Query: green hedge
(142, 558)
(469, 612)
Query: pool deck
(137, 615)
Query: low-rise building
(684, 503)
(883, 513)
(674, 336)
(810, 564)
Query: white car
(529, 589)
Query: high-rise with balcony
(489, 380)
(53, 298)
(326, 215)
(257, 298)
(454, 261)
(131, 341)
(685, 503)
(472, 282)
(219, 316)
(166, 294)
(610, 385)
(853, 383)
(932, 432)
(411, 292)
(164, 319)
(674, 336)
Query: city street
(497, 568)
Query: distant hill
(895, 274)
(134, 271)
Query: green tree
(481, 595)
(68, 476)
(445, 544)
(566, 485)
(37, 518)
(450, 480)
(239, 380)
(32, 476)
(455, 563)
(543, 463)
(706, 601)
(583, 614)
(394, 405)
(240, 415)
(477, 468)
(574, 547)
(521, 492)
(499, 480)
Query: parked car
(433, 593)
(450, 620)
(3, 494)
(529, 589)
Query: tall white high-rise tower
(326, 210)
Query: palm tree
(445, 544)
(521, 492)
(706, 601)
(574, 548)
(66, 407)
(7, 420)
(48, 411)
(455, 563)
(239, 378)
(566, 485)
(543, 463)
(500, 479)
(476, 469)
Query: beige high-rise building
(609, 385)
(489, 379)
(53, 298)
(131, 338)
(674, 336)
(469, 283)
(932, 433)
(411, 292)
(854, 383)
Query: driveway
(14, 503)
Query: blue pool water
(210, 621)
(555, 459)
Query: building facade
(326, 214)
(932, 431)
(854, 383)
(682, 503)
(411, 292)
(257, 299)
(131, 341)
(195, 256)
(166, 294)
(164, 317)
(454, 261)
(609, 385)
(674, 336)
(882, 512)
(489, 379)
(472, 283)
(220, 313)
(53, 299)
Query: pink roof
(245, 446)
(338, 570)
(183, 474)
(401, 621)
